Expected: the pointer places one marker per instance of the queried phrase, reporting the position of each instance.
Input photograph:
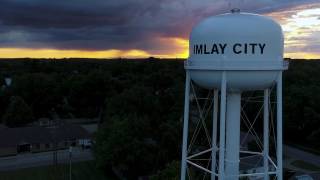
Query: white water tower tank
(248, 47)
(232, 53)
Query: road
(42, 159)
(302, 155)
(46, 158)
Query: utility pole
(70, 163)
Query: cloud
(301, 27)
(147, 25)
(46, 14)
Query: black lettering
(205, 50)
(238, 48)
(214, 49)
(262, 48)
(222, 47)
(235, 50)
(198, 49)
(246, 48)
(253, 46)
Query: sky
(139, 28)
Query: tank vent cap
(235, 10)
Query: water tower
(231, 54)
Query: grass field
(80, 171)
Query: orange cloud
(178, 49)
(54, 53)
(301, 26)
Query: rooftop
(10, 137)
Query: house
(39, 139)
(71, 135)
(26, 139)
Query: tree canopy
(18, 113)
(140, 103)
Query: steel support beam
(279, 127)
(214, 133)
(222, 125)
(266, 134)
(185, 127)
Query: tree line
(140, 103)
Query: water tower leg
(214, 134)
(279, 126)
(222, 125)
(266, 134)
(185, 128)
(233, 135)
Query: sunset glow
(301, 25)
(54, 53)
(180, 51)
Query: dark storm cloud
(80, 24)
(108, 24)
(46, 14)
